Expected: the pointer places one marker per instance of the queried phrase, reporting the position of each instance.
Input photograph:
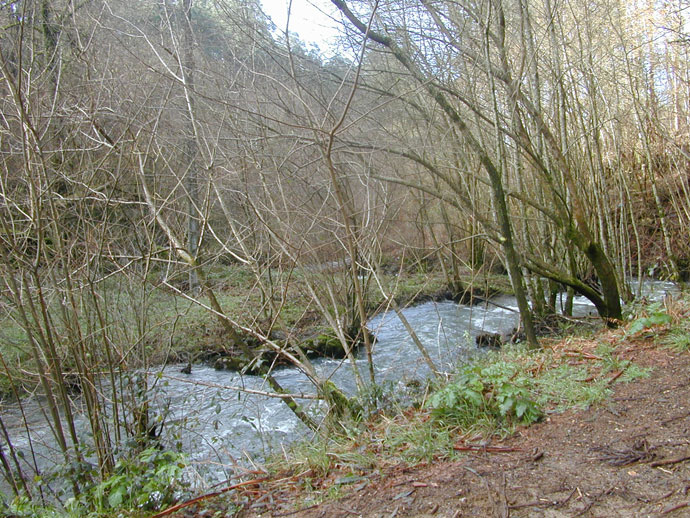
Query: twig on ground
(615, 376)
(666, 462)
(290, 513)
(640, 452)
(675, 418)
(675, 507)
(545, 503)
(486, 449)
(582, 354)
(504, 509)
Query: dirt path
(626, 457)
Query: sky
(308, 18)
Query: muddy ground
(628, 456)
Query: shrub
(150, 480)
(497, 391)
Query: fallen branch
(639, 452)
(615, 376)
(675, 507)
(582, 354)
(487, 449)
(290, 513)
(675, 418)
(666, 462)
(544, 503)
(193, 501)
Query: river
(221, 429)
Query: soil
(626, 457)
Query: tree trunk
(191, 146)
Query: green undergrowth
(666, 323)
(141, 483)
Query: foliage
(671, 327)
(23, 507)
(150, 480)
(498, 390)
(314, 456)
(677, 339)
(562, 387)
(418, 441)
(655, 316)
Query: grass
(563, 387)
(416, 440)
(678, 339)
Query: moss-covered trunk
(612, 310)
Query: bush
(150, 480)
(496, 391)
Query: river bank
(222, 420)
(612, 441)
(202, 340)
(625, 457)
(168, 329)
(625, 454)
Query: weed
(334, 492)
(677, 339)
(494, 392)
(314, 456)
(654, 315)
(23, 507)
(611, 362)
(564, 387)
(150, 480)
(422, 440)
(357, 460)
(634, 371)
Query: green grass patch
(563, 386)
(420, 440)
(678, 339)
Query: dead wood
(667, 462)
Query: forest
(182, 182)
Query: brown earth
(626, 457)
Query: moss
(234, 363)
(324, 344)
(342, 407)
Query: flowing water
(221, 428)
